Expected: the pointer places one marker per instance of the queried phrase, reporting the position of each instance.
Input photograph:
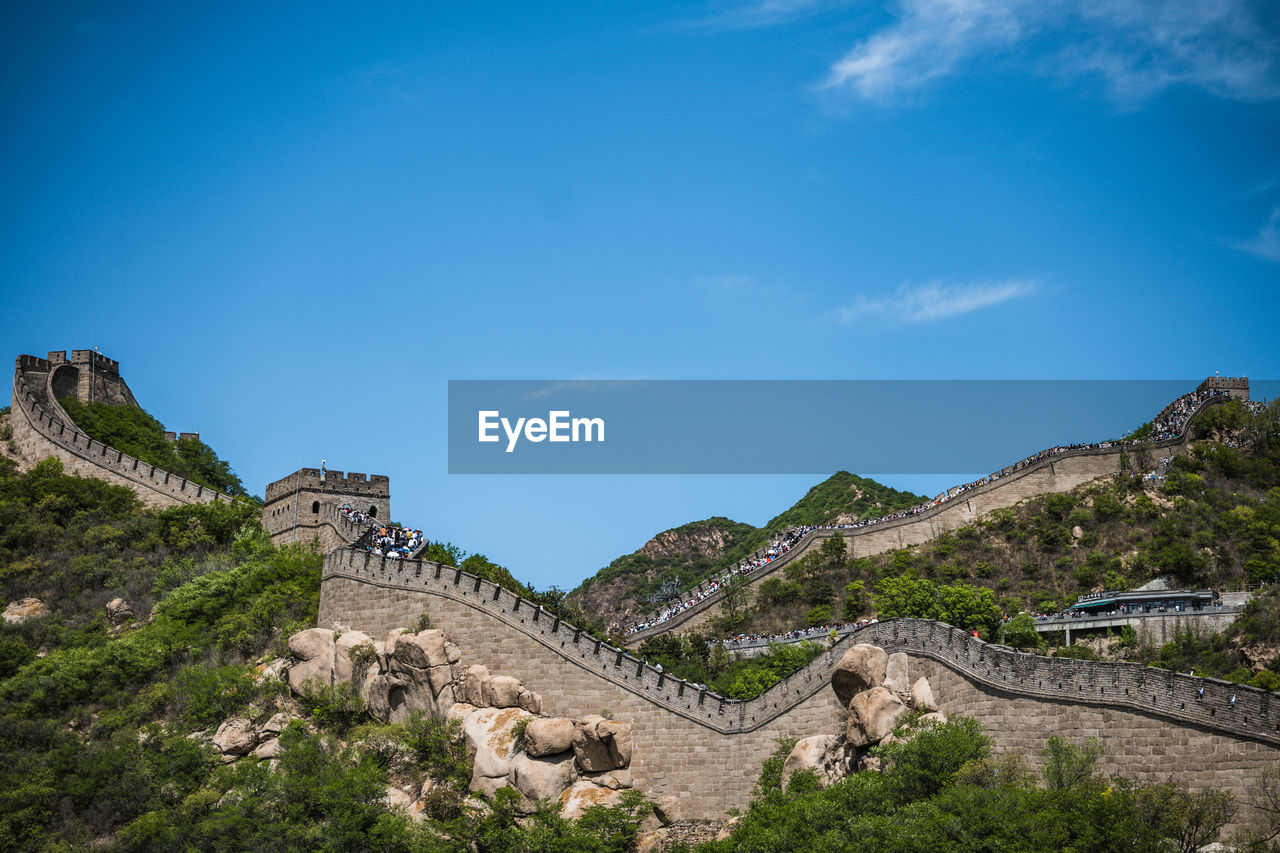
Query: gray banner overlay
(789, 426)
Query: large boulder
(895, 673)
(313, 653)
(490, 739)
(808, 754)
(540, 779)
(922, 695)
(548, 736)
(502, 691)
(118, 610)
(530, 701)
(236, 736)
(422, 650)
(582, 796)
(27, 608)
(873, 714)
(600, 744)
(473, 686)
(860, 668)
(353, 656)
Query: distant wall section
(42, 428)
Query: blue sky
(294, 223)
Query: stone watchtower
(303, 505)
(90, 377)
(1236, 386)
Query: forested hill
(616, 594)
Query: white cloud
(1136, 47)
(934, 301)
(1266, 243)
(767, 13)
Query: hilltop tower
(90, 377)
(295, 509)
(1235, 386)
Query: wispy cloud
(1266, 243)
(724, 282)
(1136, 47)
(934, 301)
(765, 13)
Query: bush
(337, 707)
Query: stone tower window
(373, 512)
(315, 506)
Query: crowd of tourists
(817, 632)
(354, 515)
(1170, 423)
(385, 540)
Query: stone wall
(708, 750)
(1059, 473)
(41, 428)
(295, 507)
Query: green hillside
(131, 430)
(616, 595)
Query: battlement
(330, 482)
(88, 358)
(1236, 386)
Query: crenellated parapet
(1197, 701)
(708, 750)
(304, 505)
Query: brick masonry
(708, 751)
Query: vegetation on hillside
(131, 430)
(686, 565)
(1214, 521)
(683, 554)
(841, 497)
(694, 659)
(96, 720)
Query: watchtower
(294, 509)
(1236, 386)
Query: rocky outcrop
(861, 668)
(27, 608)
(579, 763)
(118, 610)
(876, 689)
(548, 735)
(313, 652)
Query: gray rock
(118, 610)
(541, 778)
(502, 691)
(860, 668)
(600, 744)
(235, 737)
(20, 611)
(313, 652)
(922, 695)
(872, 715)
(808, 754)
(548, 736)
(895, 674)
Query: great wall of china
(699, 747)
(42, 428)
(1026, 479)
